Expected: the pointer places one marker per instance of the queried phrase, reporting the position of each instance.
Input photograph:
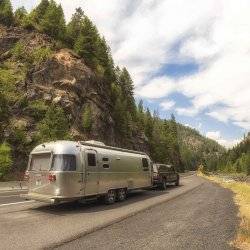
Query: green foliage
(19, 52)
(37, 109)
(86, 45)
(6, 13)
(40, 55)
(5, 159)
(74, 27)
(54, 126)
(20, 15)
(87, 118)
(52, 21)
(41, 9)
(4, 112)
(8, 79)
(36, 56)
(237, 159)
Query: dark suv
(164, 174)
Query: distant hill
(196, 149)
(237, 159)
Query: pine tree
(119, 112)
(74, 27)
(87, 119)
(86, 44)
(41, 9)
(20, 15)
(127, 86)
(6, 13)
(149, 124)
(53, 22)
(54, 125)
(140, 116)
(105, 60)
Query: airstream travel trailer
(66, 170)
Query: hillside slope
(196, 149)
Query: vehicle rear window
(63, 162)
(165, 168)
(40, 162)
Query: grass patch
(242, 199)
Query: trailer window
(105, 165)
(63, 162)
(40, 162)
(145, 164)
(91, 160)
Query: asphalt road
(196, 215)
(7, 197)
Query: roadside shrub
(5, 159)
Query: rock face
(65, 80)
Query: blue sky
(190, 58)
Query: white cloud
(156, 88)
(216, 135)
(190, 111)
(166, 105)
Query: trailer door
(92, 173)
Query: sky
(186, 57)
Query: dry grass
(242, 199)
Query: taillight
(26, 176)
(155, 175)
(52, 177)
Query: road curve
(204, 218)
(36, 225)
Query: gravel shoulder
(204, 218)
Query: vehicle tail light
(52, 177)
(26, 176)
(155, 175)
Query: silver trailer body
(66, 170)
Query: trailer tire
(110, 197)
(121, 194)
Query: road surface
(7, 197)
(196, 215)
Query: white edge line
(14, 203)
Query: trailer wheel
(110, 197)
(121, 194)
(163, 184)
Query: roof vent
(95, 142)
